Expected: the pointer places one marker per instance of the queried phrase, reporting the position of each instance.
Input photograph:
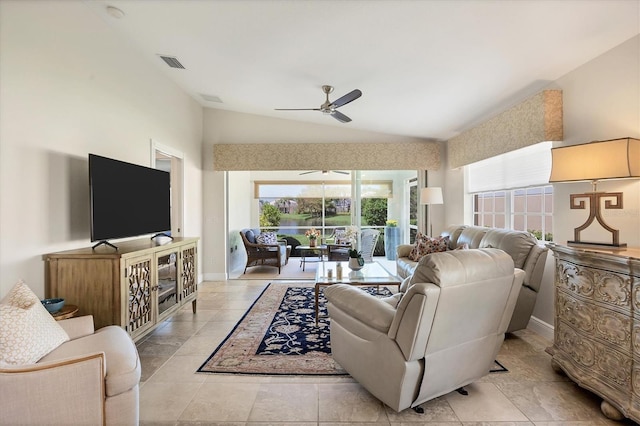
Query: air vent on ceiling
(211, 98)
(172, 61)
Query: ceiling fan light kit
(329, 107)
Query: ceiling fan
(325, 172)
(330, 107)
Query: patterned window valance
(537, 119)
(327, 156)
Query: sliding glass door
(293, 203)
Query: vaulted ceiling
(428, 69)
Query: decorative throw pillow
(27, 330)
(267, 238)
(462, 246)
(425, 245)
(250, 236)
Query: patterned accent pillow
(267, 238)
(27, 330)
(425, 245)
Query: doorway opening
(294, 203)
(166, 158)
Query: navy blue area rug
(278, 336)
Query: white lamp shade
(614, 159)
(431, 195)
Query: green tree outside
(374, 211)
(270, 215)
(310, 206)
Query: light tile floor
(171, 393)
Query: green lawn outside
(338, 220)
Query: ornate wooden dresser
(597, 324)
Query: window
(291, 208)
(490, 209)
(298, 207)
(292, 202)
(511, 191)
(525, 209)
(412, 208)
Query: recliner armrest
(360, 305)
(534, 267)
(403, 250)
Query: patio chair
(368, 241)
(276, 255)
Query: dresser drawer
(611, 289)
(597, 324)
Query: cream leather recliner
(521, 246)
(444, 333)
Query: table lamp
(595, 161)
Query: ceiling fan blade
(312, 171)
(340, 117)
(297, 109)
(349, 97)
(340, 171)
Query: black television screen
(127, 199)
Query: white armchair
(368, 241)
(92, 379)
(444, 333)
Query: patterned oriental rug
(278, 336)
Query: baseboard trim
(542, 328)
(215, 277)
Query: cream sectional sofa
(523, 248)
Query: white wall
(69, 87)
(447, 213)
(239, 213)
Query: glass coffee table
(371, 274)
(316, 253)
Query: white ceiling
(427, 69)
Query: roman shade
(529, 166)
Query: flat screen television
(127, 200)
